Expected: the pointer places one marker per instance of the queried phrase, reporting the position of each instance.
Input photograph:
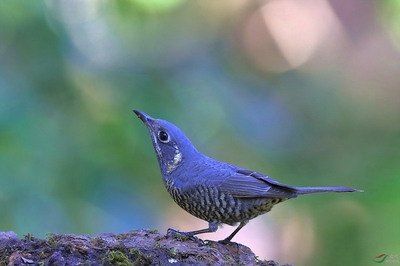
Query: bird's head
(170, 143)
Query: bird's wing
(248, 184)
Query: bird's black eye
(163, 136)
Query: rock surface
(140, 247)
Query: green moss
(140, 259)
(153, 231)
(51, 240)
(136, 252)
(49, 236)
(29, 237)
(173, 252)
(43, 255)
(181, 237)
(122, 236)
(228, 258)
(157, 245)
(97, 241)
(86, 263)
(202, 260)
(119, 259)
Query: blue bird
(214, 191)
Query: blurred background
(305, 91)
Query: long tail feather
(312, 190)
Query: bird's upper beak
(147, 120)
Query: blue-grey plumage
(211, 190)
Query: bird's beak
(147, 120)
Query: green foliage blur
(75, 159)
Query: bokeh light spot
(158, 5)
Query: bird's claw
(224, 241)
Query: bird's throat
(175, 162)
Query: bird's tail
(312, 190)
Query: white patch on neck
(177, 160)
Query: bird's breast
(213, 205)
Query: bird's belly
(212, 205)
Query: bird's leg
(212, 227)
(229, 238)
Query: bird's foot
(183, 236)
(227, 241)
(224, 241)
